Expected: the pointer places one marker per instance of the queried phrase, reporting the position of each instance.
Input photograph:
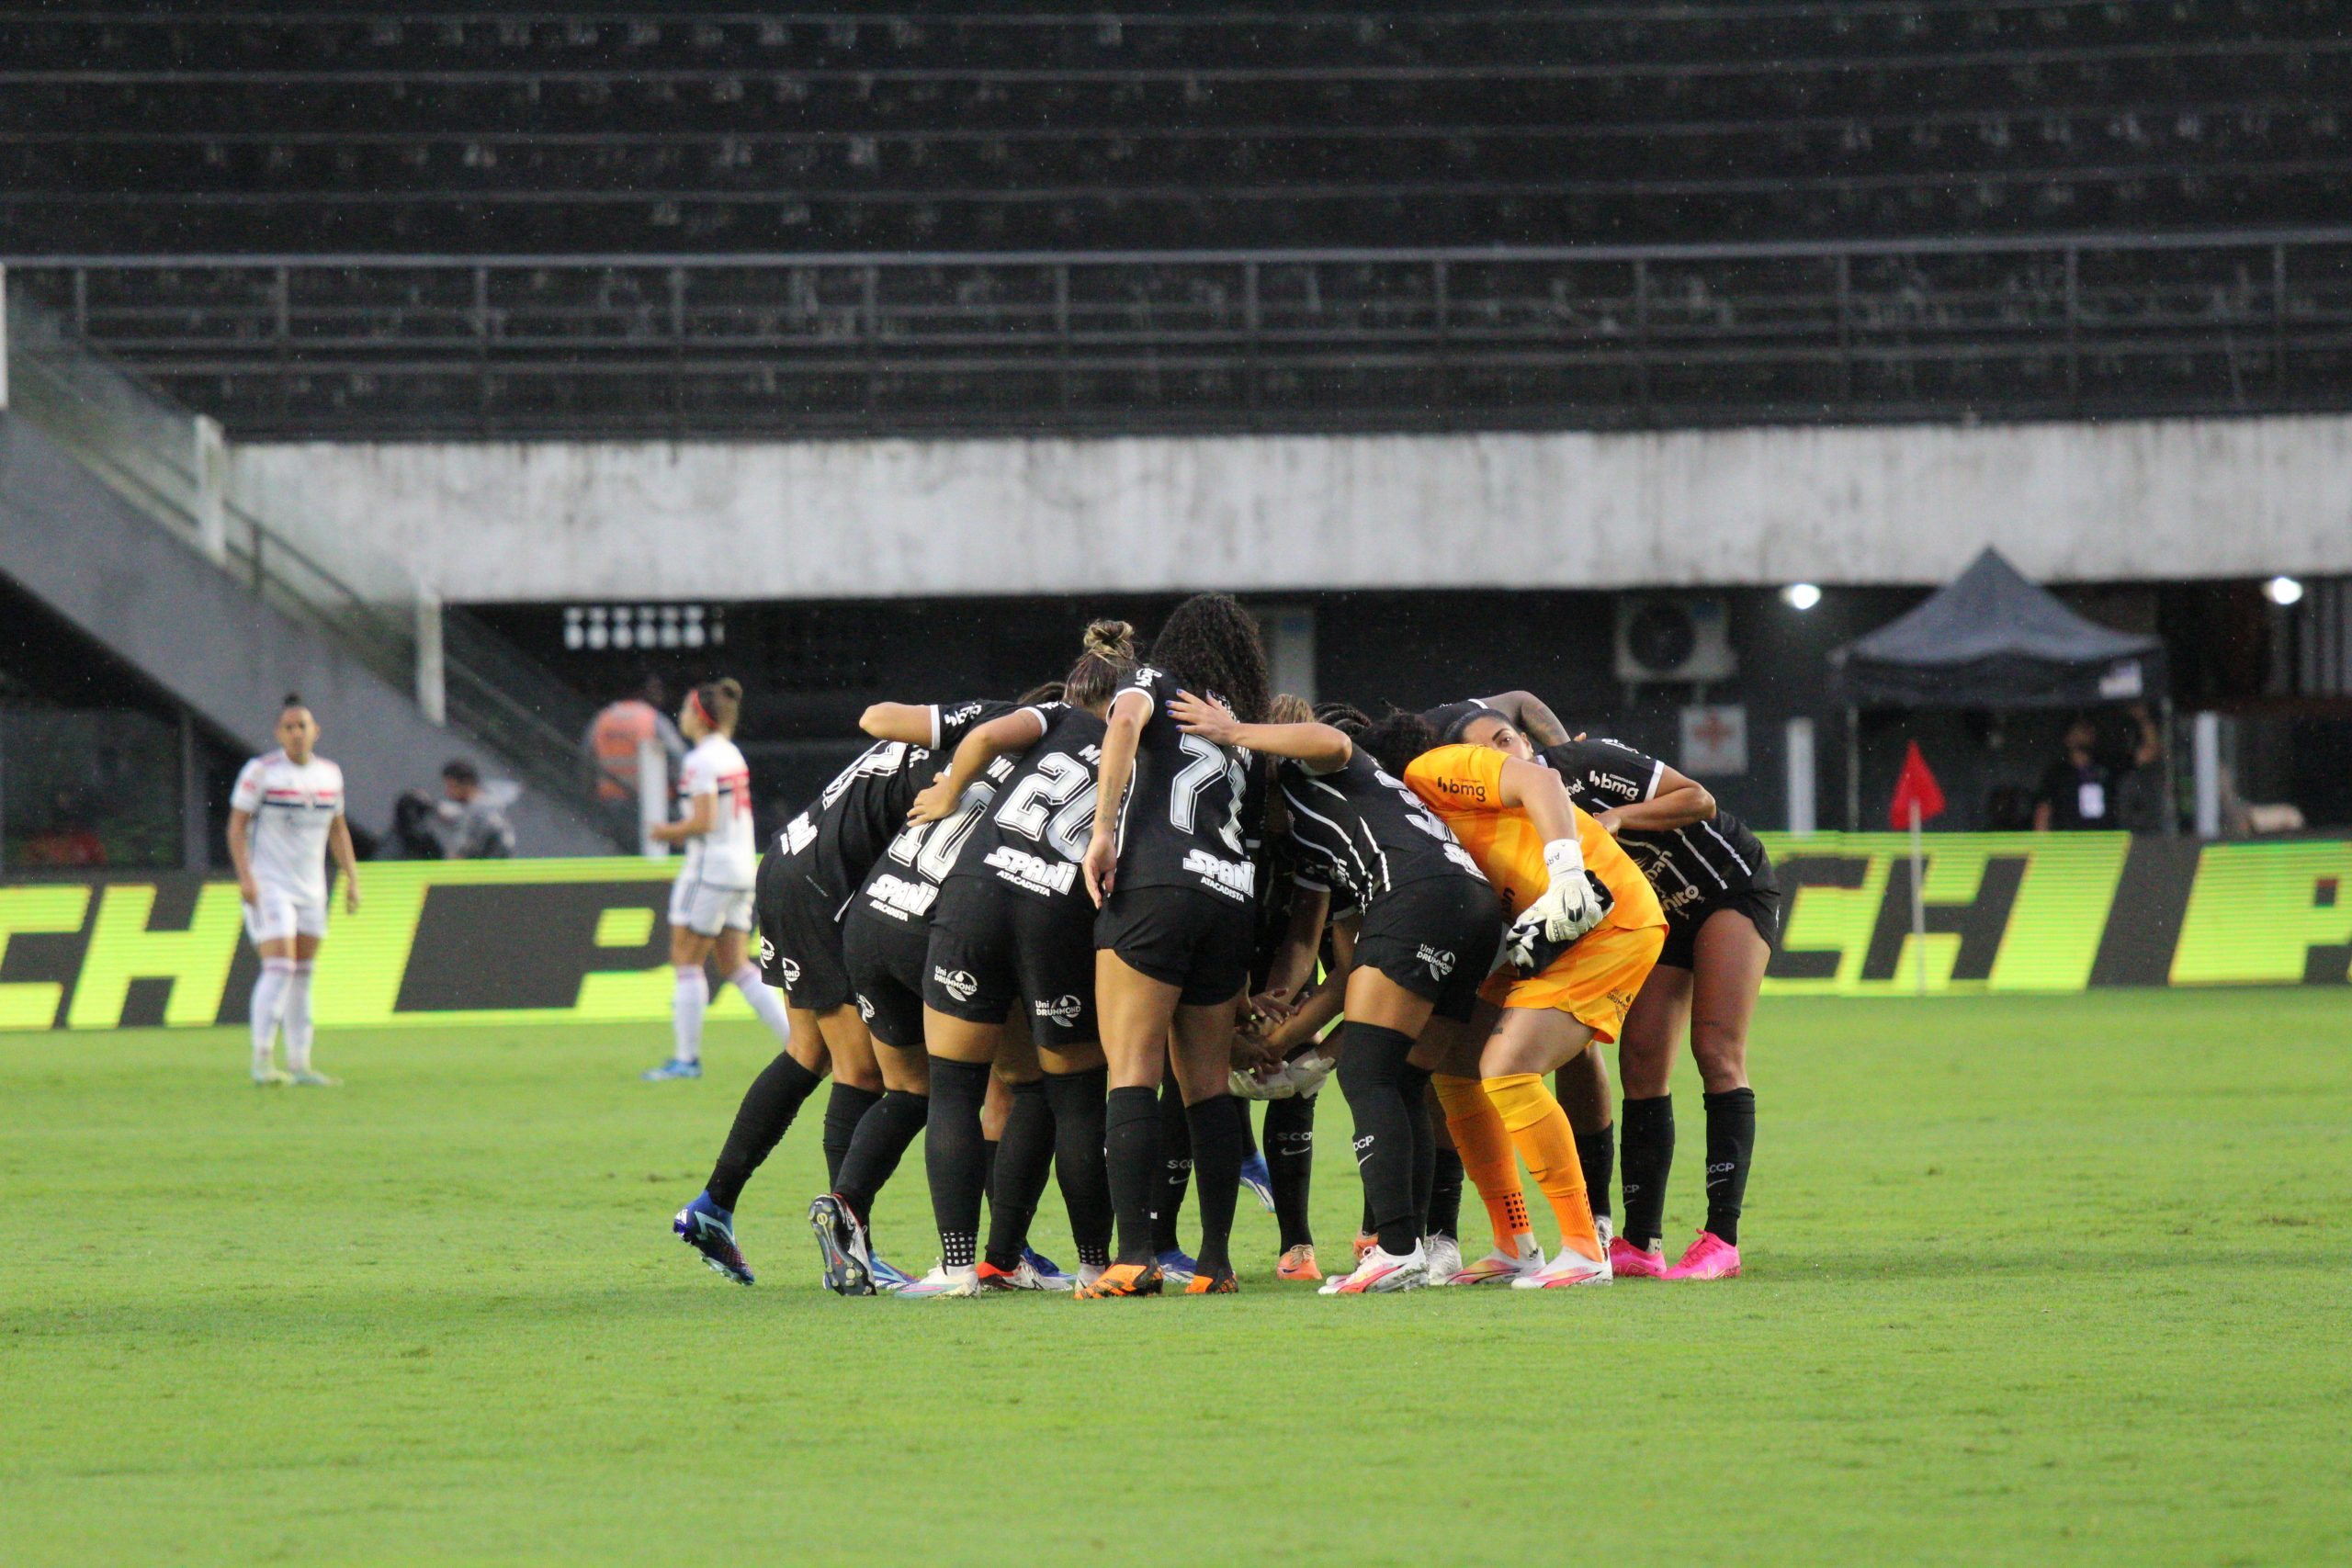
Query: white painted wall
(563, 520)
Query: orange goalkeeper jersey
(1463, 785)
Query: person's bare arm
(693, 825)
(908, 722)
(1537, 790)
(346, 860)
(1530, 717)
(241, 854)
(1124, 730)
(1678, 802)
(1015, 731)
(1294, 961)
(1321, 748)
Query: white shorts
(281, 914)
(705, 910)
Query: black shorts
(885, 969)
(990, 945)
(1183, 937)
(800, 943)
(1761, 905)
(1436, 938)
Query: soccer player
(285, 815)
(1171, 876)
(806, 878)
(1014, 926)
(1586, 931)
(710, 904)
(1721, 906)
(1427, 926)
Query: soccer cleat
(1709, 1256)
(672, 1068)
(1176, 1267)
(1220, 1283)
(1050, 1274)
(710, 1230)
(841, 1237)
(1088, 1273)
(1497, 1268)
(1021, 1276)
(1258, 1179)
(1366, 1242)
(1298, 1263)
(271, 1077)
(888, 1276)
(304, 1078)
(1571, 1268)
(1445, 1259)
(1380, 1272)
(1605, 1228)
(1627, 1261)
(1123, 1279)
(943, 1281)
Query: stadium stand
(1315, 218)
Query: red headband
(694, 695)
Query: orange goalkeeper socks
(1484, 1144)
(1540, 1130)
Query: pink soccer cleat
(1710, 1258)
(1630, 1262)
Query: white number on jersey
(1060, 781)
(1209, 761)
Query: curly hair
(1346, 718)
(1211, 645)
(1395, 738)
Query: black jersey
(1034, 836)
(1447, 718)
(904, 884)
(837, 838)
(1686, 866)
(1180, 825)
(1362, 833)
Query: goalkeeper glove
(1268, 1083)
(1575, 903)
(1307, 1070)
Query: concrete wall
(1886, 504)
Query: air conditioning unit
(1680, 637)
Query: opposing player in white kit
(710, 907)
(284, 816)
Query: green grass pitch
(2038, 1281)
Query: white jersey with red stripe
(294, 806)
(729, 855)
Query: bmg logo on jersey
(1440, 962)
(1063, 1011)
(957, 983)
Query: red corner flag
(1914, 786)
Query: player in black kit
(1171, 876)
(805, 878)
(1013, 930)
(1428, 923)
(1721, 906)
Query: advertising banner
(547, 941)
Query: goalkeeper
(1586, 929)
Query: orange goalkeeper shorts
(1593, 982)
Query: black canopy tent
(1989, 639)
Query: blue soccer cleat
(672, 1068)
(1176, 1268)
(1258, 1179)
(710, 1230)
(889, 1278)
(1049, 1273)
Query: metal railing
(169, 463)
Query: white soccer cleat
(943, 1281)
(1606, 1228)
(1445, 1259)
(1380, 1272)
(1501, 1268)
(271, 1077)
(1571, 1268)
(1087, 1274)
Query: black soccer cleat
(841, 1238)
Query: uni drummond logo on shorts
(865, 1007)
(1063, 1011)
(1440, 962)
(956, 983)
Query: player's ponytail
(1346, 718)
(1109, 658)
(720, 701)
(1284, 708)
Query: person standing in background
(2078, 789)
(474, 813)
(613, 741)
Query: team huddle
(1072, 936)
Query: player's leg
(886, 967)
(954, 1146)
(1290, 1164)
(1024, 1158)
(695, 924)
(1135, 1010)
(731, 957)
(1201, 1046)
(297, 1002)
(269, 922)
(1582, 1087)
(1442, 1194)
(1175, 1181)
(1481, 1142)
(1384, 1094)
(1654, 1025)
(1527, 1043)
(1727, 973)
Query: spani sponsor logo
(1222, 875)
(896, 896)
(1063, 1011)
(957, 983)
(1034, 872)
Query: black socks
(1175, 1168)
(1649, 1159)
(1596, 1152)
(1290, 1158)
(1131, 1154)
(843, 1111)
(1078, 1105)
(1218, 1136)
(956, 1156)
(1372, 1073)
(1731, 1143)
(1025, 1156)
(883, 1134)
(769, 1105)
